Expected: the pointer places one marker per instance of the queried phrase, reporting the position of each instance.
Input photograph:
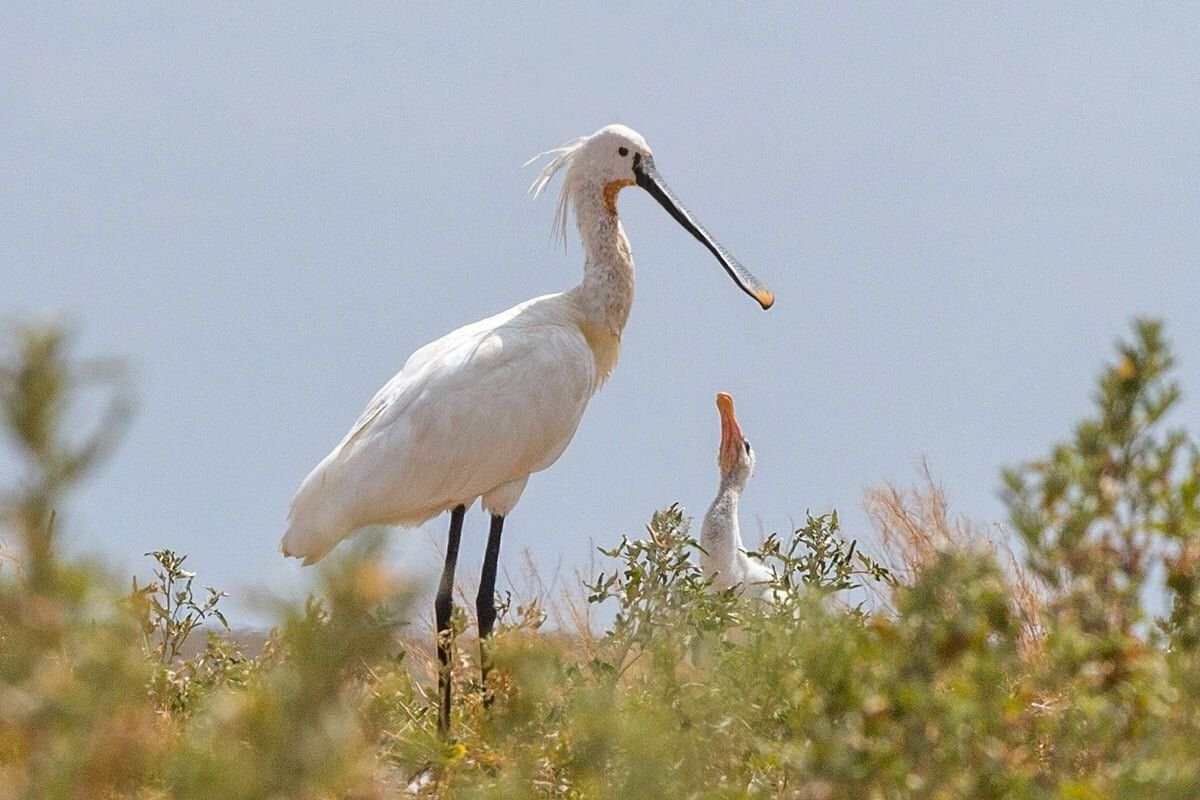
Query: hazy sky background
(959, 207)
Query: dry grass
(915, 525)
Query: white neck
(605, 295)
(721, 535)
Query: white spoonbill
(475, 413)
(724, 558)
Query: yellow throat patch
(610, 193)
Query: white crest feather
(560, 157)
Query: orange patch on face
(610, 194)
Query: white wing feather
(483, 406)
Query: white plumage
(473, 414)
(724, 559)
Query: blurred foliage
(857, 681)
(1121, 495)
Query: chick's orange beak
(731, 434)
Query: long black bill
(649, 179)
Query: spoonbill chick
(724, 558)
(472, 415)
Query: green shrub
(939, 667)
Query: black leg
(442, 608)
(485, 602)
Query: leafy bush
(940, 666)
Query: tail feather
(315, 522)
(309, 542)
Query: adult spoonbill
(475, 413)
(724, 558)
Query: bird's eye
(746, 443)
(624, 151)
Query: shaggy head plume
(560, 157)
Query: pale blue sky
(958, 207)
